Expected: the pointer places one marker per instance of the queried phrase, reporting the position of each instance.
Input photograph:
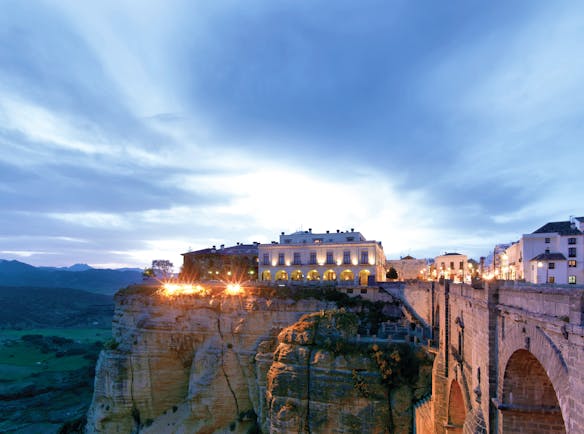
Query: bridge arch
(456, 409)
(529, 401)
(524, 346)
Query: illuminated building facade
(235, 263)
(408, 267)
(554, 253)
(452, 266)
(344, 257)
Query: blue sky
(133, 131)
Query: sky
(138, 130)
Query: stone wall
(506, 348)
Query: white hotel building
(341, 257)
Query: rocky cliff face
(237, 364)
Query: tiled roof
(550, 257)
(240, 249)
(562, 228)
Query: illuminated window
(346, 257)
(312, 258)
(551, 279)
(572, 280)
(329, 258)
(297, 260)
(572, 263)
(365, 257)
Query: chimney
(352, 230)
(327, 232)
(282, 233)
(310, 230)
(338, 231)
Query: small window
(297, 260)
(572, 263)
(349, 290)
(280, 259)
(547, 240)
(312, 258)
(551, 265)
(572, 280)
(461, 265)
(346, 257)
(287, 241)
(551, 279)
(329, 258)
(350, 238)
(317, 240)
(572, 252)
(365, 257)
(363, 290)
(572, 240)
(452, 265)
(266, 259)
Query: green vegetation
(46, 377)
(25, 353)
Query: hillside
(102, 281)
(30, 307)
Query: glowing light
(175, 289)
(355, 262)
(233, 289)
(372, 261)
(339, 262)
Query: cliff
(238, 364)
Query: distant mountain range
(78, 276)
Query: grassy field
(20, 358)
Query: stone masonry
(508, 358)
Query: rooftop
(549, 257)
(562, 228)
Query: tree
(162, 268)
(392, 273)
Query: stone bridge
(509, 358)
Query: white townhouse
(453, 266)
(554, 253)
(341, 257)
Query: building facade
(408, 267)
(335, 257)
(235, 263)
(554, 253)
(452, 266)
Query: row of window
(571, 240)
(572, 263)
(460, 265)
(571, 279)
(312, 260)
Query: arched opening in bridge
(313, 275)
(364, 277)
(282, 275)
(330, 275)
(296, 275)
(266, 275)
(530, 404)
(456, 409)
(347, 275)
